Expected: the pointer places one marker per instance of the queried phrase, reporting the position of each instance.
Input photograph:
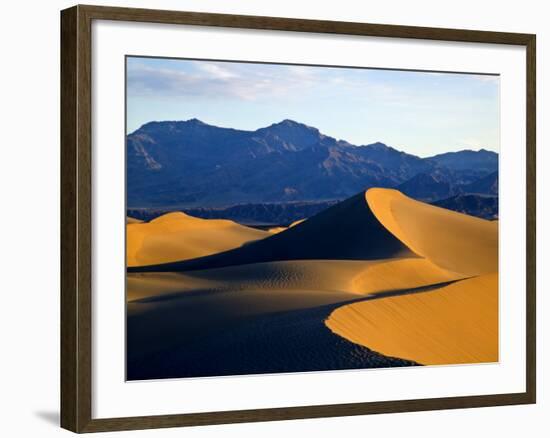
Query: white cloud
(217, 79)
(215, 70)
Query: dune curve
(451, 240)
(355, 277)
(346, 231)
(178, 236)
(455, 324)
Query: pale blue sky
(418, 112)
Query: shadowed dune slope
(454, 324)
(346, 231)
(247, 332)
(266, 317)
(451, 240)
(177, 236)
(273, 314)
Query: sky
(422, 113)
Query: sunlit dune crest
(178, 236)
(346, 231)
(451, 240)
(298, 222)
(455, 324)
(276, 230)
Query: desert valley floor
(378, 280)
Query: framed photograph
(270, 218)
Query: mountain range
(191, 164)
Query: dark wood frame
(76, 168)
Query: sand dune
(177, 236)
(298, 222)
(346, 231)
(150, 285)
(451, 325)
(348, 276)
(381, 223)
(451, 240)
(272, 314)
(214, 333)
(400, 274)
(190, 306)
(276, 230)
(377, 280)
(131, 220)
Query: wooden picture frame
(76, 218)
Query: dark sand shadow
(273, 342)
(360, 236)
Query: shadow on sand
(278, 342)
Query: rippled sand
(378, 280)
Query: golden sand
(177, 236)
(451, 240)
(298, 222)
(457, 323)
(350, 276)
(451, 325)
(401, 274)
(276, 230)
